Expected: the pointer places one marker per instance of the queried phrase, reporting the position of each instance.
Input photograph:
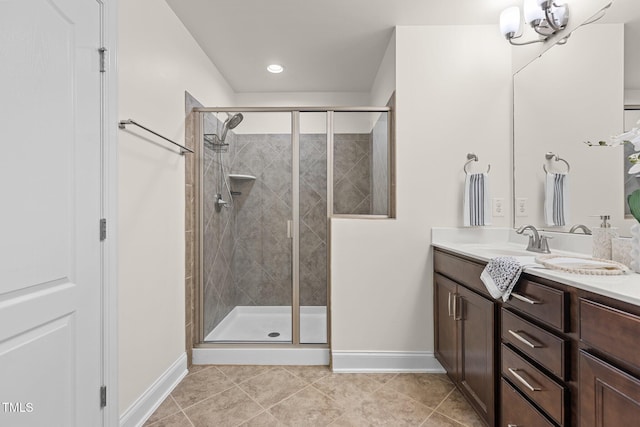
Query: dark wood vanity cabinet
(465, 336)
(609, 363)
(552, 355)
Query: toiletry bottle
(602, 238)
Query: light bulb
(532, 11)
(510, 21)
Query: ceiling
(325, 46)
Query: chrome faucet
(584, 228)
(537, 242)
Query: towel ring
(473, 158)
(555, 157)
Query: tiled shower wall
(220, 294)
(352, 173)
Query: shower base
(241, 337)
(268, 324)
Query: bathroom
(452, 80)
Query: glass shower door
(313, 237)
(247, 249)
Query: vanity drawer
(515, 410)
(614, 332)
(545, 304)
(545, 392)
(542, 346)
(460, 270)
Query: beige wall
(158, 60)
(451, 98)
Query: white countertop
(486, 243)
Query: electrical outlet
(521, 207)
(498, 206)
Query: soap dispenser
(602, 236)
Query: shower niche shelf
(241, 177)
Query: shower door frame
(295, 190)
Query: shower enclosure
(268, 180)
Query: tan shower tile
(438, 420)
(456, 407)
(199, 386)
(308, 407)
(273, 386)
(229, 408)
(264, 419)
(240, 373)
(427, 389)
(176, 420)
(347, 388)
(309, 373)
(166, 408)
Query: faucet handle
(544, 243)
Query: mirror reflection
(572, 94)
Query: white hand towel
(556, 199)
(477, 201)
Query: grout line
(209, 396)
(187, 417)
(427, 419)
(445, 398)
(444, 415)
(421, 403)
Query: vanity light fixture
(545, 17)
(275, 68)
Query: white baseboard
(149, 401)
(385, 361)
(260, 356)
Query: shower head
(234, 120)
(231, 123)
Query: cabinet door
(445, 333)
(476, 341)
(608, 396)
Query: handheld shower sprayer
(231, 123)
(217, 143)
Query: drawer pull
(522, 380)
(449, 304)
(525, 299)
(512, 425)
(523, 339)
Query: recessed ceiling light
(275, 68)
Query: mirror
(571, 94)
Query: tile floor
(219, 396)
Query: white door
(50, 205)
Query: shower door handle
(289, 229)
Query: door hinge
(103, 396)
(103, 229)
(103, 59)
